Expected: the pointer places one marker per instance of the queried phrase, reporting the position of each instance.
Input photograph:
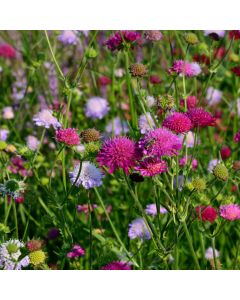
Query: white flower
(32, 142)
(150, 101)
(90, 176)
(8, 113)
(209, 253)
(46, 119)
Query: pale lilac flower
(8, 113)
(32, 142)
(117, 126)
(209, 253)
(96, 108)
(119, 73)
(213, 96)
(138, 229)
(146, 123)
(90, 176)
(219, 33)
(4, 134)
(238, 106)
(189, 139)
(212, 164)
(151, 209)
(46, 119)
(68, 37)
(150, 101)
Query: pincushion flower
(8, 113)
(46, 119)
(215, 34)
(214, 96)
(150, 166)
(237, 137)
(209, 253)
(32, 142)
(117, 126)
(153, 35)
(90, 176)
(76, 251)
(234, 34)
(200, 117)
(185, 67)
(212, 163)
(151, 209)
(4, 134)
(225, 152)
(68, 37)
(160, 142)
(117, 265)
(230, 212)
(146, 123)
(178, 122)
(191, 102)
(96, 108)
(236, 70)
(118, 153)
(138, 229)
(7, 51)
(68, 136)
(116, 41)
(206, 213)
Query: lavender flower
(68, 37)
(96, 108)
(32, 142)
(213, 96)
(117, 126)
(138, 229)
(146, 123)
(4, 134)
(46, 119)
(90, 176)
(151, 209)
(209, 253)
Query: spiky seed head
(220, 172)
(90, 135)
(166, 102)
(199, 184)
(37, 257)
(191, 38)
(138, 70)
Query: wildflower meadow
(119, 150)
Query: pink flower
(118, 153)
(206, 213)
(191, 102)
(230, 212)
(7, 51)
(116, 42)
(225, 152)
(117, 265)
(160, 142)
(76, 251)
(183, 161)
(151, 167)
(200, 117)
(68, 136)
(178, 122)
(237, 137)
(185, 67)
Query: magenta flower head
(151, 166)
(181, 67)
(237, 137)
(117, 265)
(178, 122)
(138, 229)
(68, 136)
(76, 251)
(116, 41)
(200, 117)
(160, 142)
(7, 51)
(230, 212)
(118, 153)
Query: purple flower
(96, 108)
(46, 119)
(146, 123)
(68, 37)
(117, 265)
(185, 67)
(151, 209)
(76, 251)
(138, 229)
(213, 96)
(32, 142)
(117, 126)
(4, 134)
(215, 33)
(230, 212)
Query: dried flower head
(138, 70)
(90, 135)
(220, 172)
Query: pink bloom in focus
(76, 251)
(118, 153)
(151, 167)
(178, 122)
(184, 67)
(230, 212)
(117, 265)
(206, 213)
(68, 136)
(200, 117)
(7, 51)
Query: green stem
(15, 218)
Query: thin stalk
(15, 218)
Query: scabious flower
(212, 163)
(117, 265)
(117, 126)
(178, 122)
(34, 245)
(10, 255)
(214, 96)
(37, 257)
(188, 139)
(230, 212)
(209, 253)
(8, 113)
(7, 51)
(151, 209)
(184, 160)
(225, 152)
(76, 251)
(236, 70)
(32, 142)
(4, 134)
(215, 34)
(184, 67)
(68, 136)
(138, 229)
(153, 35)
(191, 102)
(68, 37)
(116, 41)
(138, 70)
(90, 135)
(206, 213)
(104, 81)
(90, 176)
(146, 123)
(53, 233)
(154, 79)
(46, 119)
(96, 108)
(12, 188)
(160, 142)
(151, 166)
(85, 208)
(220, 172)
(200, 117)
(234, 34)
(118, 153)
(237, 137)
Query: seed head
(165, 102)
(90, 135)
(220, 172)
(199, 184)
(37, 257)
(191, 38)
(138, 70)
